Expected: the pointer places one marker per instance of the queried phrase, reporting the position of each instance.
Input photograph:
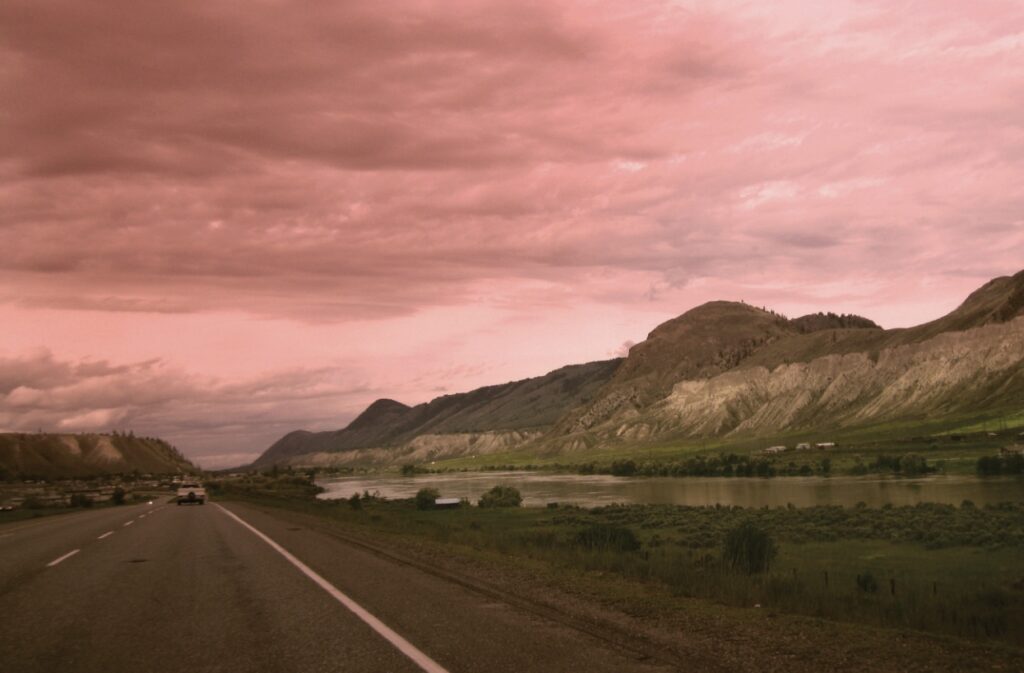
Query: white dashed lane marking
(107, 534)
(128, 523)
(62, 558)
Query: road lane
(29, 546)
(186, 590)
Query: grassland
(936, 568)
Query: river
(539, 488)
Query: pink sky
(222, 221)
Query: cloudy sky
(221, 221)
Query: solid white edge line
(400, 643)
(107, 534)
(62, 558)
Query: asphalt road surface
(151, 588)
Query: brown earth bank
(655, 626)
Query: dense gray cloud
(363, 165)
(217, 421)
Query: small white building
(825, 445)
(775, 449)
(803, 446)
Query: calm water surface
(539, 488)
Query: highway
(228, 587)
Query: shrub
(867, 583)
(623, 468)
(32, 502)
(749, 548)
(607, 536)
(501, 496)
(355, 502)
(117, 497)
(80, 500)
(425, 498)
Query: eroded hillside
(66, 456)
(721, 369)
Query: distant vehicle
(192, 493)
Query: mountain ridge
(67, 456)
(718, 346)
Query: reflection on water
(539, 488)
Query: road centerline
(401, 644)
(62, 558)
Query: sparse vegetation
(607, 536)
(938, 568)
(867, 583)
(501, 496)
(1005, 464)
(82, 500)
(425, 498)
(272, 485)
(748, 548)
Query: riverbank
(543, 487)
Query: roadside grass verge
(936, 568)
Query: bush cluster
(425, 498)
(501, 496)
(749, 548)
(929, 524)
(607, 536)
(1006, 464)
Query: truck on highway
(191, 492)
